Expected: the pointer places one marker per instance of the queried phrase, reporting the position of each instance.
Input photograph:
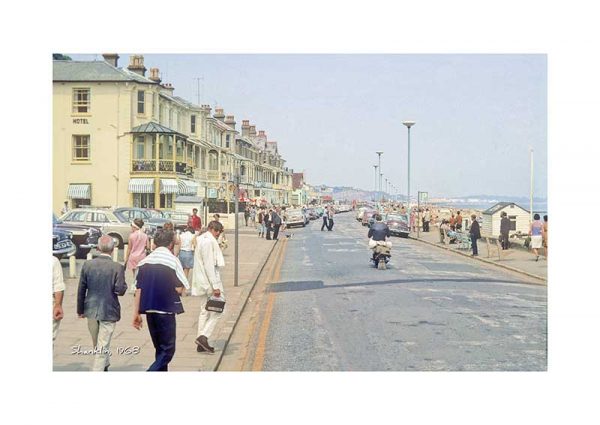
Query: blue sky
(476, 115)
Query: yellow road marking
(259, 356)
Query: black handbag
(216, 304)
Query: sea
(538, 207)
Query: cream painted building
(121, 138)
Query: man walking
(101, 281)
(195, 221)
(475, 234)
(330, 214)
(65, 209)
(160, 282)
(260, 218)
(246, 214)
(325, 220)
(268, 220)
(276, 219)
(207, 282)
(426, 220)
(504, 230)
(58, 291)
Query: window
(143, 200)
(81, 147)
(513, 222)
(227, 141)
(213, 161)
(141, 105)
(81, 101)
(100, 218)
(193, 124)
(166, 200)
(161, 114)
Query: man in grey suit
(101, 281)
(504, 230)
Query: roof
(94, 71)
(153, 127)
(499, 206)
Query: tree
(60, 57)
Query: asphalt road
(430, 311)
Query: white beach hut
(519, 219)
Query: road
(329, 310)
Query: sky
(477, 116)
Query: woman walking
(137, 245)
(545, 234)
(536, 231)
(186, 252)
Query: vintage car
(103, 218)
(398, 224)
(62, 245)
(367, 215)
(294, 218)
(85, 237)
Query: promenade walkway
(517, 258)
(74, 336)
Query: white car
(295, 218)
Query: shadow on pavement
(318, 284)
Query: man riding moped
(378, 235)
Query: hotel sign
(80, 121)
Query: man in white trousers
(208, 258)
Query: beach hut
(518, 216)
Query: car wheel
(118, 240)
(303, 224)
(58, 256)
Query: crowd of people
(158, 272)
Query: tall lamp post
(236, 194)
(375, 166)
(379, 165)
(531, 185)
(386, 188)
(408, 124)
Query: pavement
(517, 258)
(132, 349)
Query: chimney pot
(155, 74)
(136, 64)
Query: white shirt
(186, 241)
(58, 283)
(207, 260)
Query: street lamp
(386, 187)
(375, 166)
(379, 157)
(408, 124)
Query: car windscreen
(396, 217)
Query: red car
(366, 216)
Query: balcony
(161, 166)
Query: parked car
(178, 218)
(62, 245)
(294, 218)
(128, 214)
(398, 224)
(312, 214)
(104, 218)
(367, 215)
(84, 237)
(360, 213)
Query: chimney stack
(230, 121)
(155, 75)
(169, 87)
(245, 128)
(206, 109)
(111, 58)
(219, 114)
(136, 64)
(252, 131)
(262, 134)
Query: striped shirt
(162, 255)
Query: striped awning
(188, 187)
(168, 186)
(79, 191)
(141, 186)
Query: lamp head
(409, 124)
